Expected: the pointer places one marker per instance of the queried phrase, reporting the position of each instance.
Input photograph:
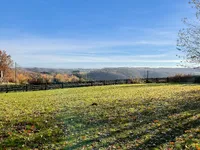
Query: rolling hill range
(122, 72)
(126, 73)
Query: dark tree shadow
(141, 85)
(175, 127)
(82, 121)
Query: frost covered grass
(143, 116)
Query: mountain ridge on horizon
(121, 72)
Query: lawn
(153, 116)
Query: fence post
(157, 81)
(26, 87)
(126, 81)
(167, 80)
(45, 86)
(6, 88)
(62, 85)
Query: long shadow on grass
(157, 139)
(175, 127)
(142, 85)
(82, 123)
(169, 136)
(121, 141)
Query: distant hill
(52, 70)
(121, 72)
(126, 73)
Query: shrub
(73, 78)
(180, 78)
(136, 81)
(22, 79)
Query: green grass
(153, 116)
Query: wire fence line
(38, 87)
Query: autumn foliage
(5, 64)
(36, 78)
(22, 76)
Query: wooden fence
(37, 87)
(31, 87)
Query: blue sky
(92, 33)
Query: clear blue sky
(92, 33)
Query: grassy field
(153, 116)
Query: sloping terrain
(143, 116)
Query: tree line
(8, 74)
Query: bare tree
(189, 38)
(5, 63)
